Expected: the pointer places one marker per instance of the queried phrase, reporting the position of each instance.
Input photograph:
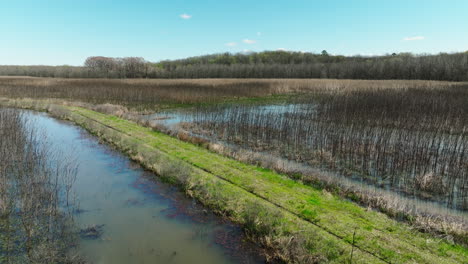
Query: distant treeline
(94, 67)
(268, 64)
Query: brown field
(151, 93)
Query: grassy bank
(299, 223)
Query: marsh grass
(147, 94)
(413, 140)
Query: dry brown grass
(151, 93)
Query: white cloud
(249, 41)
(231, 44)
(414, 38)
(281, 49)
(246, 51)
(185, 16)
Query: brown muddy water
(139, 219)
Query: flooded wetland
(297, 134)
(124, 214)
(206, 132)
(331, 171)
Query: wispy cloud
(249, 41)
(231, 44)
(281, 49)
(414, 38)
(185, 16)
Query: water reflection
(143, 220)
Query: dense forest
(267, 64)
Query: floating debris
(92, 232)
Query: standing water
(127, 215)
(291, 134)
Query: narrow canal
(132, 215)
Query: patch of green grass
(269, 99)
(309, 214)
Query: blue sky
(57, 32)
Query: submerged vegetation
(36, 202)
(413, 140)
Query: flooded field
(424, 164)
(126, 215)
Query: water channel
(143, 220)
